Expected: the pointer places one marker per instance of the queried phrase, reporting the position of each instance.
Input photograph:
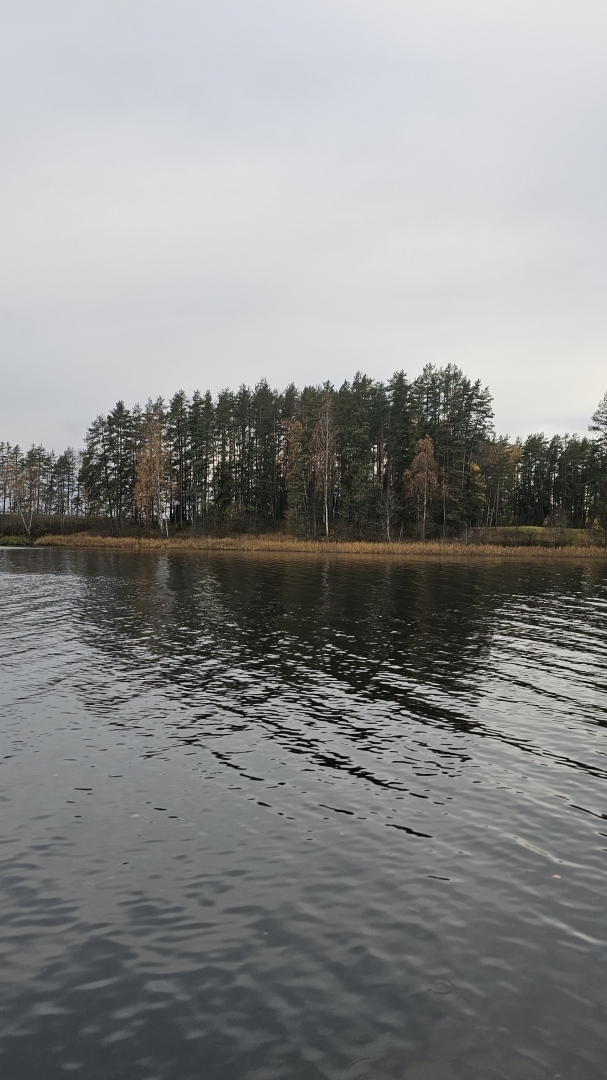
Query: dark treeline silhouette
(369, 459)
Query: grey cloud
(198, 194)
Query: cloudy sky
(197, 193)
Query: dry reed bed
(289, 545)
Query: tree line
(364, 460)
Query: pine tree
(202, 439)
(324, 444)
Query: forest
(368, 460)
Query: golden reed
(290, 545)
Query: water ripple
(265, 818)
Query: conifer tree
(324, 452)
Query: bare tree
(389, 508)
(323, 442)
(152, 472)
(28, 482)
(422, 479)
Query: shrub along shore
(529, 546)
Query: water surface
(287, 819)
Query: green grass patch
(15, 541)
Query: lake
(271, 818)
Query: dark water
(301, 819)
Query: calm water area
(294, 818)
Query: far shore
(408, 549)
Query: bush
(15, 541)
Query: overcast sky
(198, 194)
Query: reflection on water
(291, 818)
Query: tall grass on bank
(290, 545)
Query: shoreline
(290, 545)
